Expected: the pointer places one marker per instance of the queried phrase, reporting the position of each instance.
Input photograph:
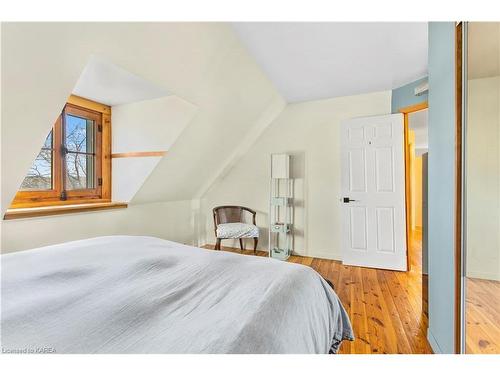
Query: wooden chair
(234, 214)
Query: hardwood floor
(385, 307)
(416, 250)
(482, 316)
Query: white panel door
(373, 192)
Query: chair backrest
(231, 214)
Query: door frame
(460, 206)
(406, 115)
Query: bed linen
(131, 294)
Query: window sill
(22, 213)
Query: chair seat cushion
(237, 230)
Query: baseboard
(433, 343)
(483, 275)
(313, 254)
(324, 255)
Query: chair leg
(241, 243)
(217, 244)
(255, 240)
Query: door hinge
(99, 181)
(99, 128)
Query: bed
(131, 294)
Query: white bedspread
(124, 294)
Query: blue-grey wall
(441, 190)
(404, 96)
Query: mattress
(131, 294)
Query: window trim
(100, 194)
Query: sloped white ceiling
(148, 125)
(129, 174)
(107, 83)
(203, 63)
(308, 61)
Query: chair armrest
(252, 212)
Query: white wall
(205, 64)
(202, 63)
(310, 133)
(169, 220)
(483, 178)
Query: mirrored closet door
(481, 204)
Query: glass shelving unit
(281, 207)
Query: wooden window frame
(101, 193)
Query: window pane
(79, 171)
(79, 136)
(39, 176)
(48, 141)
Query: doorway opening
(417, 151)
(416, 167)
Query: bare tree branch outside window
(39, 176)
(79, 142)
(79, 159)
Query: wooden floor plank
(359, 315)
(402, 344)
(343, 291)
(482, 316)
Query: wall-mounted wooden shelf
(138, 154)
(23, 213)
